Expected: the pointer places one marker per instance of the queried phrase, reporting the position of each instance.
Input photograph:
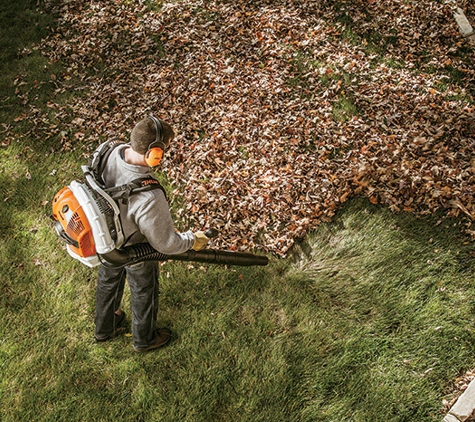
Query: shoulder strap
(143, 184)
(98, 159)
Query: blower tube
(145, 252)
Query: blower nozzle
(145, 252)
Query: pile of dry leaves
(283, 109)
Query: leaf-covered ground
(283, 109)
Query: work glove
(201, 240)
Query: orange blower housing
(88, 222)
(74, 226)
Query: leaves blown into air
(283, 109)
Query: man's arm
(155, 223)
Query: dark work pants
(143, 283)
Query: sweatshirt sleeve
(155, 223)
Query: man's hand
(201, 240)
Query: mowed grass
(370, 319)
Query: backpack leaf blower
(87, 219)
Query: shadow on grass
(27, 80)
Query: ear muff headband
(154, 154)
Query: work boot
(163, 338)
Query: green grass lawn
(370, 318)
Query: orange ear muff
(154, 156)
(155, 150)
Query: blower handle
(210, 233)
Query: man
(145, 217)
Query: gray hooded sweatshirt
(146, 215)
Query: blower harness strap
(123, 192)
